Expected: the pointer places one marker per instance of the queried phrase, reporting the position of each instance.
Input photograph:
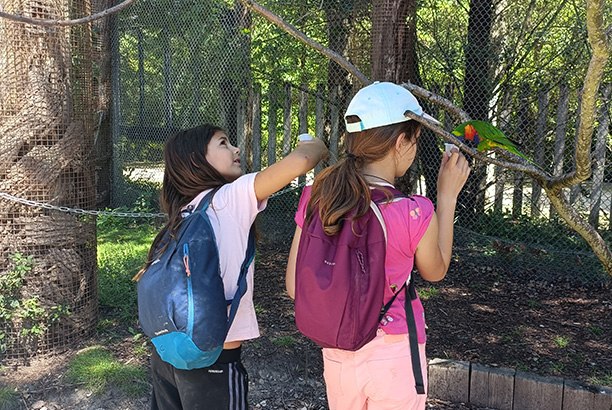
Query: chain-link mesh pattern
(178, 64)
(48, 288)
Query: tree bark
(338, 21)
(104, 137)
(392, 52)
(235, 83)
(477, 94)
(46, 155)
(600, 157)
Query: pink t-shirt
(232, 212)
(406, 220)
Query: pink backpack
(340, 279)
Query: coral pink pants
(376, 377)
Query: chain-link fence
(48, 286)
(178, 64)
(160, 66)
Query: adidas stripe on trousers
(222, 386)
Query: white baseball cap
(381, 104)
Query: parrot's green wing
(493, 137)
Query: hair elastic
(351, 155)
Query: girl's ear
(400, 142)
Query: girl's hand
(454, 171)
(315, 144)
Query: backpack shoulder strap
(242, 278)
(412, 336)
(248, 259)
(206, 200)
(379, 197)
(378, 214)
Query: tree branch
(66, 23)
(600, 43)
(440, 101)
(274, 19)
(521, 164)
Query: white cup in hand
(448, 147)
(305, 137)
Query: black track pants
(222, 386)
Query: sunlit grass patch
(603, 380)
(97, 369)
(122, 251)
(562, 341)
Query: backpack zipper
(358, 282)
(186, 259)
(190, 313)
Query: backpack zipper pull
(186, 258)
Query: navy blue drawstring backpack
(181, 299)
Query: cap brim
(423, 118)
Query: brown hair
(187, 173)
(338, 189)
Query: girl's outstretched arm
(302, 159)
(433, 253)
(290, 273)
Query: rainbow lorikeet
(485, 136)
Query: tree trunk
(46, 155)
(560, 136)
(393, 30)
(272, 123)
(477, 94)
(539, 150)
(235, 82)
(394, 60)
(338, 20)
(104, 137)
(286, 120)
(256, 127)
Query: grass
(428, 293)
(98, 369)
(605, 380)
(557, 368)
(562, 341)
(122, 250)
(8, 398)
(596, 330)
(284, 341)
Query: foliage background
(517, 64)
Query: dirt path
(475, 314)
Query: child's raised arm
(433, 253)
(302, 159)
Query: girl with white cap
(381, 144)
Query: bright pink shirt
(406, 221)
